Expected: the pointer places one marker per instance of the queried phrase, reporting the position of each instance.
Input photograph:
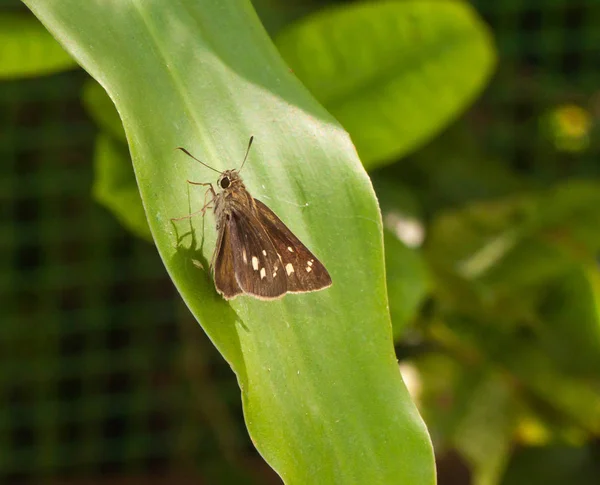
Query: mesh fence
(95, 376)
(548, 57)
(88, 321)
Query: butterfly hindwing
(258, 269)
(304, 272)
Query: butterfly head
(229, 179)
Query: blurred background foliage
(477, 122)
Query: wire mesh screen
(88, 335)
(548, 56)
(93, 375)
(103, 371)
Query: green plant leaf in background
(394, 73)
(115, 187)
(28, 49)
(484, 424)
(408, 281)
(276, 14)
(571, 319)
(507, 245)
(473, 407)
(323, 398)
(101, 108)
(516, 289)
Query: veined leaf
(323, 398)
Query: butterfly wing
(303, 270)
(258, 269)
(223, 266)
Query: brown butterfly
(256, 254)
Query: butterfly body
(233, 193)
(256, 254)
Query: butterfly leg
(210, 189)
(189, 216)
(206, 204)
(204, 184)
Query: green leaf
(276, 14)
(408, 278)
(571, 315)
(408, 281)
(100, 107)
(27, 49)
(472, 409)
(115, 187)
(562, 398)
(393, 73)
(570, 215)
(505, 247)
(323, 398)
(566, 399)
(484, 428)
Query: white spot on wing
(290, 249)
(244, 257)
(310, 262)
(289, 268)
(308, 269)
(255, 263)
(264, 253)
(263, 273)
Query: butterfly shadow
(197, 270)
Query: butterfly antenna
(193, 157)
(247, 151)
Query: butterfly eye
(225, 182)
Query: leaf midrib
(178, 84)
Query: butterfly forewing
(304, 272)
(258, 269)
(223, 266)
